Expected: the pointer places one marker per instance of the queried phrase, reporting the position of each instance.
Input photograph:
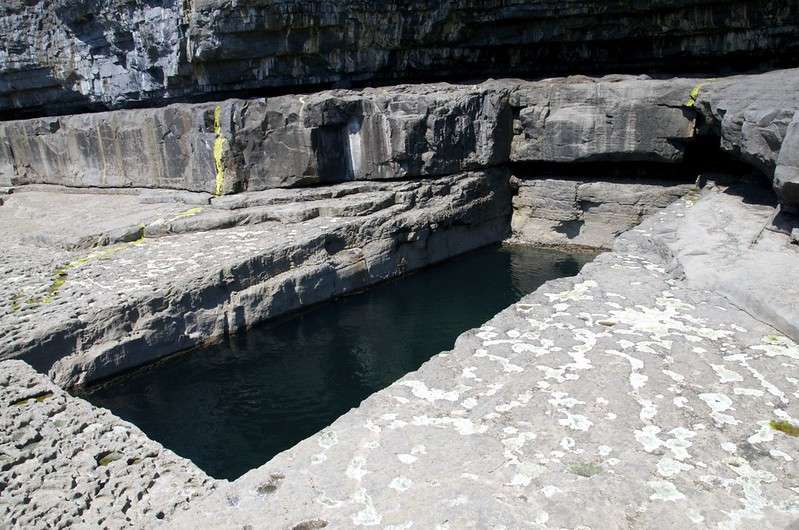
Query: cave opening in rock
(231, 407)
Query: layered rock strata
(190, 276)
(454, 146)
(65, 463)
(83, 54)
(631, 395)
(251, 145)
(411, 131)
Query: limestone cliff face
(67, 55)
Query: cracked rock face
(111, 53)
(755, 116)
(65, 463)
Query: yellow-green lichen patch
(41, 396)
(585, 470)
(692, 97)
(15, 302)
(105, 458)
(60, 275)
(785, 426)
(219, 149)
(189, 213)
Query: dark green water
(233, 406)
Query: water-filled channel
(233, 406)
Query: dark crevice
(702, 158)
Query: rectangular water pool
(233, 406)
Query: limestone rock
(66, 463)
(376, 134)
(170, 147)
(615, 118)
(74, 55)
(205, 272)
(786, 174)
(615, 399)
(250, 145)
(586, 212)
(752, 115)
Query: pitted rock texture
(206, 271)
(67, 464)
(586, 212)
(625, 397)
(63, 54)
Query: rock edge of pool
(656, 388)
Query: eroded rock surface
(753, 114)
(623, 397)
(67, 464)
(198, 273)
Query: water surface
(233, 406)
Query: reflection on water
(232, 407)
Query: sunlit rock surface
(172, 277)
(634, 394)
(586, 212)
(65, 463)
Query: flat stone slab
(65, 463)
(80, 220)
(623, 397)
(193, 275)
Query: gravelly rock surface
(67, 464)
(626, 397)
(219, 269)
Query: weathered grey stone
(166, 196)
(584, 213)
(170, 147)
(89, 53)
(71, 221)
(786, 174)
(86, 315)
(752, 114)
(376, 134)
(65, 463)
(239, 145)
(579, 119)
(627, 397)
(720, 244)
